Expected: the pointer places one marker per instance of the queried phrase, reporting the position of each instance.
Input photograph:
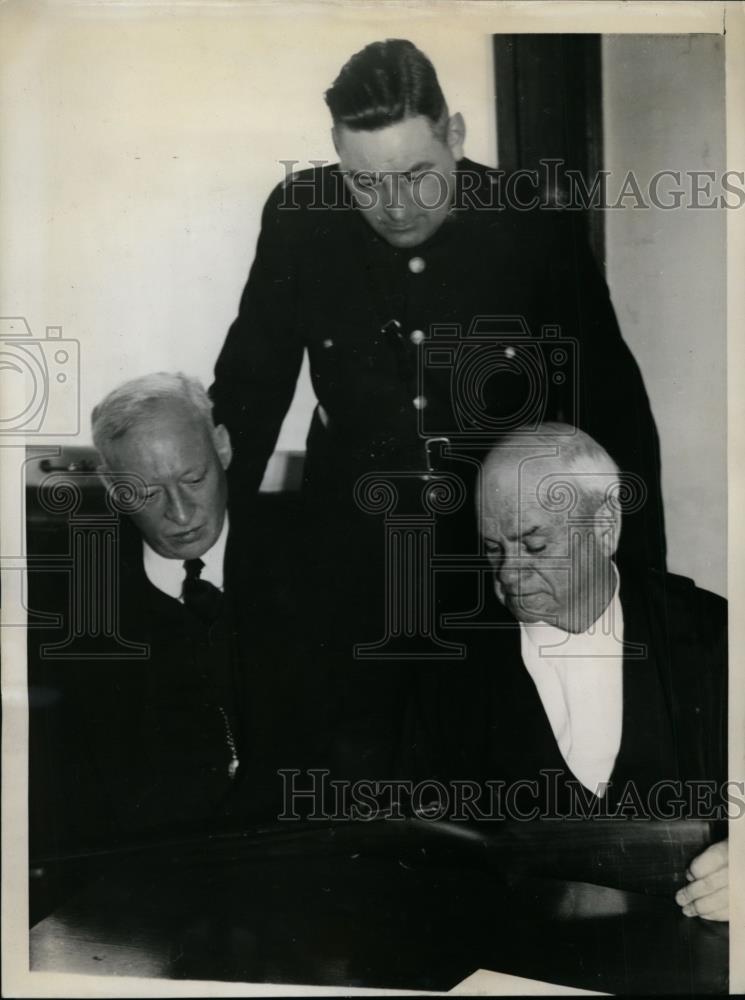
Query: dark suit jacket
(324, 282)
(128, 747)
(484, 719)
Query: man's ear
(335, 139)
(455, 135)
(608, 527)
(223, 446)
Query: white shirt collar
(168, 574)
(579, 679)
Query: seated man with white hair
(155, 435)
(601, 693)
(176, 738)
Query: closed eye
(194, 478)
(534, 548)
(365, 180)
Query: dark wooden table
(400, 905)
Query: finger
(703, 886)
(722, 914)
(718, 900)
(709, 860)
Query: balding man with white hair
(601, 691)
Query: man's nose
(394, 195)
(511, 574)
(180, 508)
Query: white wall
(664, 110)
(137, 162)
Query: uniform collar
(167, 575)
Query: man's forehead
(400, 146)
(519, 478)
(508, 512)
(514, 495)
(169, 433)
(503, 486)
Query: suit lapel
(521, 732)
(668, 638)
(679, 652)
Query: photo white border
(488, 16)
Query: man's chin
(189, 547)
(403, 239)
(527, 610)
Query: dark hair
(383, 84)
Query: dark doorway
(549, 94)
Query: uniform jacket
(504, 319)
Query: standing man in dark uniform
(429, 309)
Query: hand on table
(707, 892)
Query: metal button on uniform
(328, 342)
(416, 336)
(419, 402)
(509, 352)
(417, 265)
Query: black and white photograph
(371, 388)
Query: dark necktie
(200, 596)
